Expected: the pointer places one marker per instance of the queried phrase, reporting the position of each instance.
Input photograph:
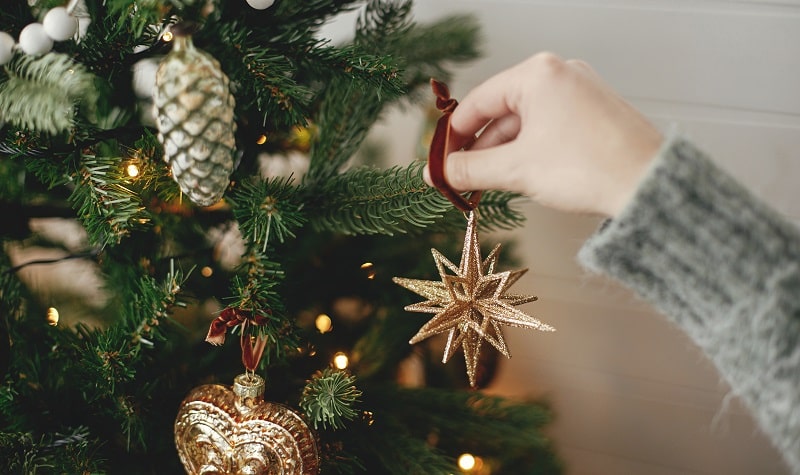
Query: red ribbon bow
(442, 144)
(252, 346)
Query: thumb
(484, 169)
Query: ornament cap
(184, 28)
(248, 385)
(249, 391)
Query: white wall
(632, 395)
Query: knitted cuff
(726, 269)
(692, 240)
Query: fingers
(504, 94)
(492, 99)
(499, 131)
(484, 169)
(582, 66)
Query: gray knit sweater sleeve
(725, 268)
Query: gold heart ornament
(223, 430)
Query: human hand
(555, 132)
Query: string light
(132, 170)
(52, 316)
(369, 417)
(262, 139)
(469, 463)
(167, 36)
(323, 323)
(466, 462)
(340, 360)
(368, 266)
(206, 271)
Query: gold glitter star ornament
(472, 303)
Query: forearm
(726, 269)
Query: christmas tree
(230, 197)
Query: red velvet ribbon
(252, 346)
(443, 142)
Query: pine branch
(371, 201)
(267, 208)
(487, 426)
(346, 110)
(67, 453)
(150, 305)
(345, 116)
(112, 358)
(266, 79)
(418, 53)
(256, 291)
(42, 93)
(429, 51)
(134, 19)
(105, 204)
(309, 14)
(49, 172)
(397, 200)
(10, 292)
(383, 20)
(328, 398)
(320, 60)
(421, 52)
(280, 80)
(495, 211)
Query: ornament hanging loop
(444, 142)
(252, 345)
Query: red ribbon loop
(442, 144)
(252, 346)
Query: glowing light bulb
(262, 139)
(340, 360)
(132, 170)
(206, 271)
(369, 417)
(52, 316)
(466, 462)
(167, 36)
(323, 323)
(368, 266)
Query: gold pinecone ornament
(194, 116)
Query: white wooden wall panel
(632, 394)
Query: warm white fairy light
(340, 360)
(52, 316)
(369, 267)
(132, 170)
(206, 271)
(323, 323)
(466, 462)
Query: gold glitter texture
(470, 304)
(220, 429)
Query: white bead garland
(37, 38)
(59, 24)
(260, 4)
(33, 39)
(6, 47)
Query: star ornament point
(471, 302)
